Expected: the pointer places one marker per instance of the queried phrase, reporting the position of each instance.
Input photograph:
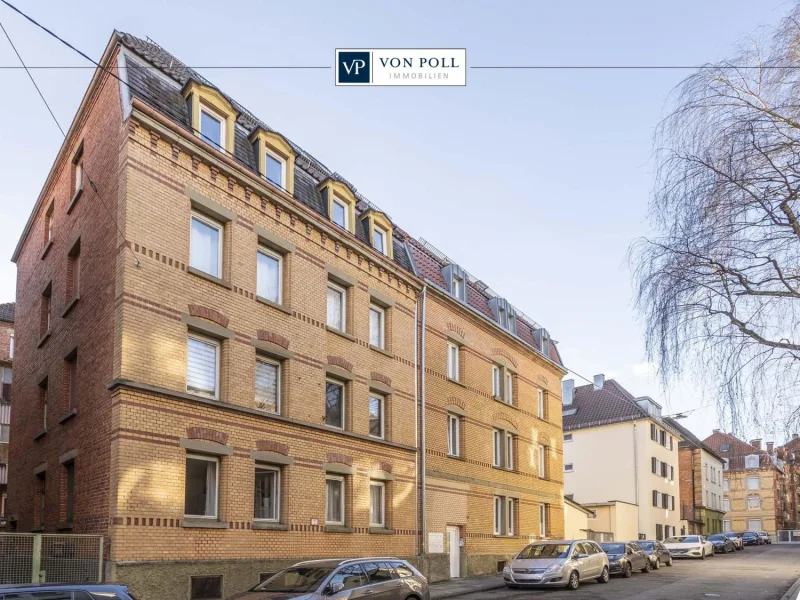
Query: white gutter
(421, 449)
(416, 426)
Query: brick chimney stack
(770, 446)
(795, 436)
(716, 431)
(756, 443)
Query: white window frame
(277, 471)
(569, 467)
(458, 284)
(218, 350)
(220, 230)
(541, 461)
(726, 484)
(497, 382)
(499, 506)
(542, 520)
(11, 336)
(750, 521)
(510, 524)
(453, 358)
(340, 479)
(382, 486)
(453, 425)
(279, 257)
(725, 464)
(751, 478)
(382, 399)
(346, 212)
(498, 448)
(343, 291)
(216, 461)
(751, 461)
(385, 236)
(540, 403)
(281, 160)
(277, 365)
(381, 312)
(751, 497)
(509, 383)
(78, 176)
(509, 448)
(343, 387)
(567, 438)
(223, 133)
(726, 524)
(726, 504)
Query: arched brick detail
(383, 466)
(340, 362)
(274, 338)
(499, 416)
(272, 446)
(456, 329)
(338, 457)
(458, 402)
(381, 377)
(204, 433)
(209, 314)
(506, 354)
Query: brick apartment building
(6, 358)
(790, 453)
(223, 368)
(754, 484)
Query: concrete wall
(618, 518)
(576, 522)
(649, 515)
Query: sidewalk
(462, 587)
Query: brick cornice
(203, 312)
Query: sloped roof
(7, 312)
(737, 450)
(164, 95)
(610, 404)
(690, 440)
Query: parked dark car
(64, 591)
(737, 539)
(750, 538)
(657, 552)
(722, 543)
(764, 536)
(625, 558)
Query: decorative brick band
(272, 446)
(381, 377)
(340, 362)
(203, 433)
(209, 314)
(337, 457)
(383, 466)
(504, 353)
(274, 338)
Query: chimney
(716, 431)
(756, 443)
(567, 391)
(599, 380)
(770, 446)
(795, 436)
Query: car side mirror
(583, 555)
(334, 588)
(630, 551)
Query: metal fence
(36, 558)
(787, 536)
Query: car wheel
(657, 564)
(669, 562)
(703, 554)
(646, 568)
(627, 571)
(604, 576)
(574, 582)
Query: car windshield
(731, 534)
(647, 546)
(295, 579)
(683, 539)
(613, 548)
(545, 551)
(748, 534)
(717, 537)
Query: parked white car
(689, 546)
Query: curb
(793, 592)
(464, 591)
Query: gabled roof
(690, 440)
(737, 450)
(7, 312)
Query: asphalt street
(755, 573)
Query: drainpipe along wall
(421, 448)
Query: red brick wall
(88, 326)
(6, 329)
(686, 477)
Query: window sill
(44, 338)
(339, 529)
(209, 277)
(504, 403)
(70, 305)
(506, 537)
(66, 526)
(505, 470)
(46, 249)
(339, 332)
(381, 350)
(381, 531)
(275, 305)
(456, 457)
(37, 529)
(457, 382)
(40, 435)
(270, 526)
(74, 200)
(193, 523)
(68, 415)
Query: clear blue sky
(535, 181)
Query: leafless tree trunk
(718, 284)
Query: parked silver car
(557, 563)
(384, 578)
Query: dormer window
(211, 115)
(458, 287)
(274, 157)
(455, 279)
(339, 215)
(379, 239)
(379, 230)
(505, 314)
(275, 169)
(212, 127)
(340, 202)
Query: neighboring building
(6, 358)
(700, 472)
(753, 484)
(790, 453)
(227, 376)
(618, 448)
(576, 520)
(613, 520)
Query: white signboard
(435, 543)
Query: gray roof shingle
(7, 312)
(610, 404)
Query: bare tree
(718, 285)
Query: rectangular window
(212, 127)
(541, 408)
(509, 388)
(48, 222)
(497, 457)
(376, 403)
(379, 239)
(334, 500)
(568, 468)
(202, 367)
(377, 504)
(334, 404)
(542, 462)
(659, 532)
(726, 524)
(69, 473)
(653, 433)
(43, 386)
(377, 318)
(662, 437)
(542, 520)
(567, 437)
(664, 470)
(202, 483)
(751, 462)
(42, 481)
(266, 501)
(509, 452)
(726, 504)
(453, 435)
(458, 287)
(670, 443)
(753, 482)
(654, 464)
(275, 169)
(268, 385)
(754, 524)
(78, 173)
(206, 588)
(753, 503)
(655, 498)
(724, 447)
(74, 271)
(726, 484)
(72, 381)
(672, 502)
(664, 500)
(340, 214)
(496, 382)
(510, 528)
(45, 319)
(725, 463)
(269, 275)
(499, 506)
(452, 361)
(337, 306)
(205, 245)
(671, 473)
